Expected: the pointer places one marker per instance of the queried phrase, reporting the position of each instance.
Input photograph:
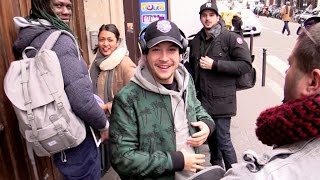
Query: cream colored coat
(123, 72)
(124, 69)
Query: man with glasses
(307, 24)
(292, 128)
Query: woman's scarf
(290, 122)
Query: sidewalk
(250, 104)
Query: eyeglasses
(309, 36)
(303, 29)
(308, 23)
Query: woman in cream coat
(109, 71)
(112, 68)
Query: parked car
(297, 14)
(251, 23)
(307, 14)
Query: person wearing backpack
(217, 58)
(46, 17)
(286, 14)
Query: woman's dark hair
(111, 28)
(42, 9)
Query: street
(253, 101)
(278, 47)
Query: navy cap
(209, 6)
(161, 31)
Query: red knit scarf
(290, 122)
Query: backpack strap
(30, 115)
(53, 37)
(51, 40)
(224, 39)
(27, 99)
(24, 54)
(225, 42)
(28, 102)
(33, 162)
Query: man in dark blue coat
(217, 58)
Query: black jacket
(216, 87)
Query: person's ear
(314, 82)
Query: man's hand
(192, 162)
(198, 138)
(104, 136)
(206, 62)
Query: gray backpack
(36, 90)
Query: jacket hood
(144, 78)
(29, 30)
